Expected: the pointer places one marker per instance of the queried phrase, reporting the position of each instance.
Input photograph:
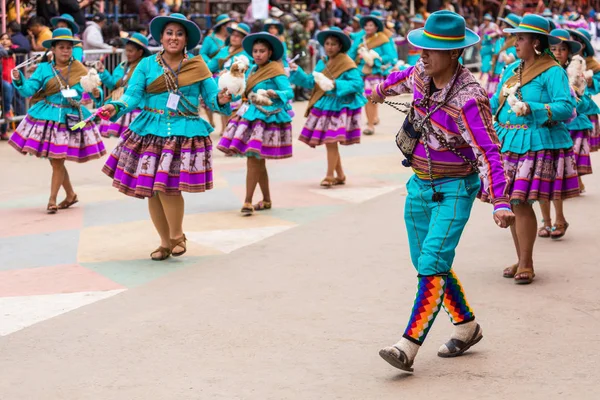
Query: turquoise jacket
(593, 90)
(500, 64)
(582, 122)
(520, 134)
(42, 110)
(213, 64)
(110, 80)
(210, 45)
(155, 119)
(284, 59)
(388, 55)
(347, 93)
(279, 108)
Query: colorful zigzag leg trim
(429, 298)
(455, 301)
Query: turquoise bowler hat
(488, 17)
(193, 32)
(444, 30)
(418, 19)
(562, 36)
(356, 18)
(241, 28)
(531, 23)
(220, 20)
(273, 22)
(547, 13)
(248, 44)
(586, 39)
(68, 19)
(139, 40)
(60, 35)
(552, 24)
(376, 20)
(338, 33)
(511, 19)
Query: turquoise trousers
(434, 228)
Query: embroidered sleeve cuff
(379, 91)
(501, 203)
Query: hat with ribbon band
(531, 23)
(418, 19)
(273, 22)
(562, 36)
(139, 40)
(338, 33)
(488, 17)
(220, 20)
(584, 37)
(511, 19)
(547, 13)
(158, 24)
(60, 35)
(240, 28)
(356, 18)
(444, 30)
(373, 18)
(276, 45)
(68, 19)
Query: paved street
(292, 303)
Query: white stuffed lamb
(260, 98)
(234, 79)
(516, 105)
(324, 82)
(576, 73)
(368, 55)
(90, 81)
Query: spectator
(38, 32)
(448, 6)
(46, 9)
(93, 38)
(75, 8)
(8, 64)
(19, 41)
(11, 10)
(148, 10)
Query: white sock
(462, 332)
(409, 348)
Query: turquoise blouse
(78, 53)
(155, 119)
(213, 64)
(593, 108)
(110, 80)
(59, 106)
(347, 93)
(279, 108)
(511, 50)
(547, 91)
(388, 55)
(210, 45)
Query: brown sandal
(510, 272)
(164, 254)
(181, 242)
(263, 205)
(328, 182)
(63, 205)
(247, 210)
(561, 229)
(544, 231)
(52, 208)
(528, 272)
(340, 181)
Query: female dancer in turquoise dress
(275, 28)
(136, 48)
(489, 32)
(167, 149)
(333, 114)
(373, 75)
(531, 105)
(580, 127)
(262, 128)
(224, 59)
(67, 21)
(55, 92)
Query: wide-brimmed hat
(220, 20)
(273, 22)
(547, 13)
(418, 19)
(511, 19)
(248, 44)
(376, 20)
(338, 33)
(60, 35)
(562, 36)
(488, 17)
(444, 30)
(193, 32)
(585, 38)
(139, 40)
(531, 23)
(68, 19)
(357, 18)
(552, 24)
(240, 28)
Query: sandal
(164, 254)
(52, 208)
(340, 181)
(544, 231)
(561, 229)
(396, 358)
(263, 205)
(368, 132)
(63, 205)
(181, 242)
(247, 209)
(510, 272)
(529, 275)
(328, 182)
(376, 122)
(457, 347)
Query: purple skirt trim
(257, 139)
